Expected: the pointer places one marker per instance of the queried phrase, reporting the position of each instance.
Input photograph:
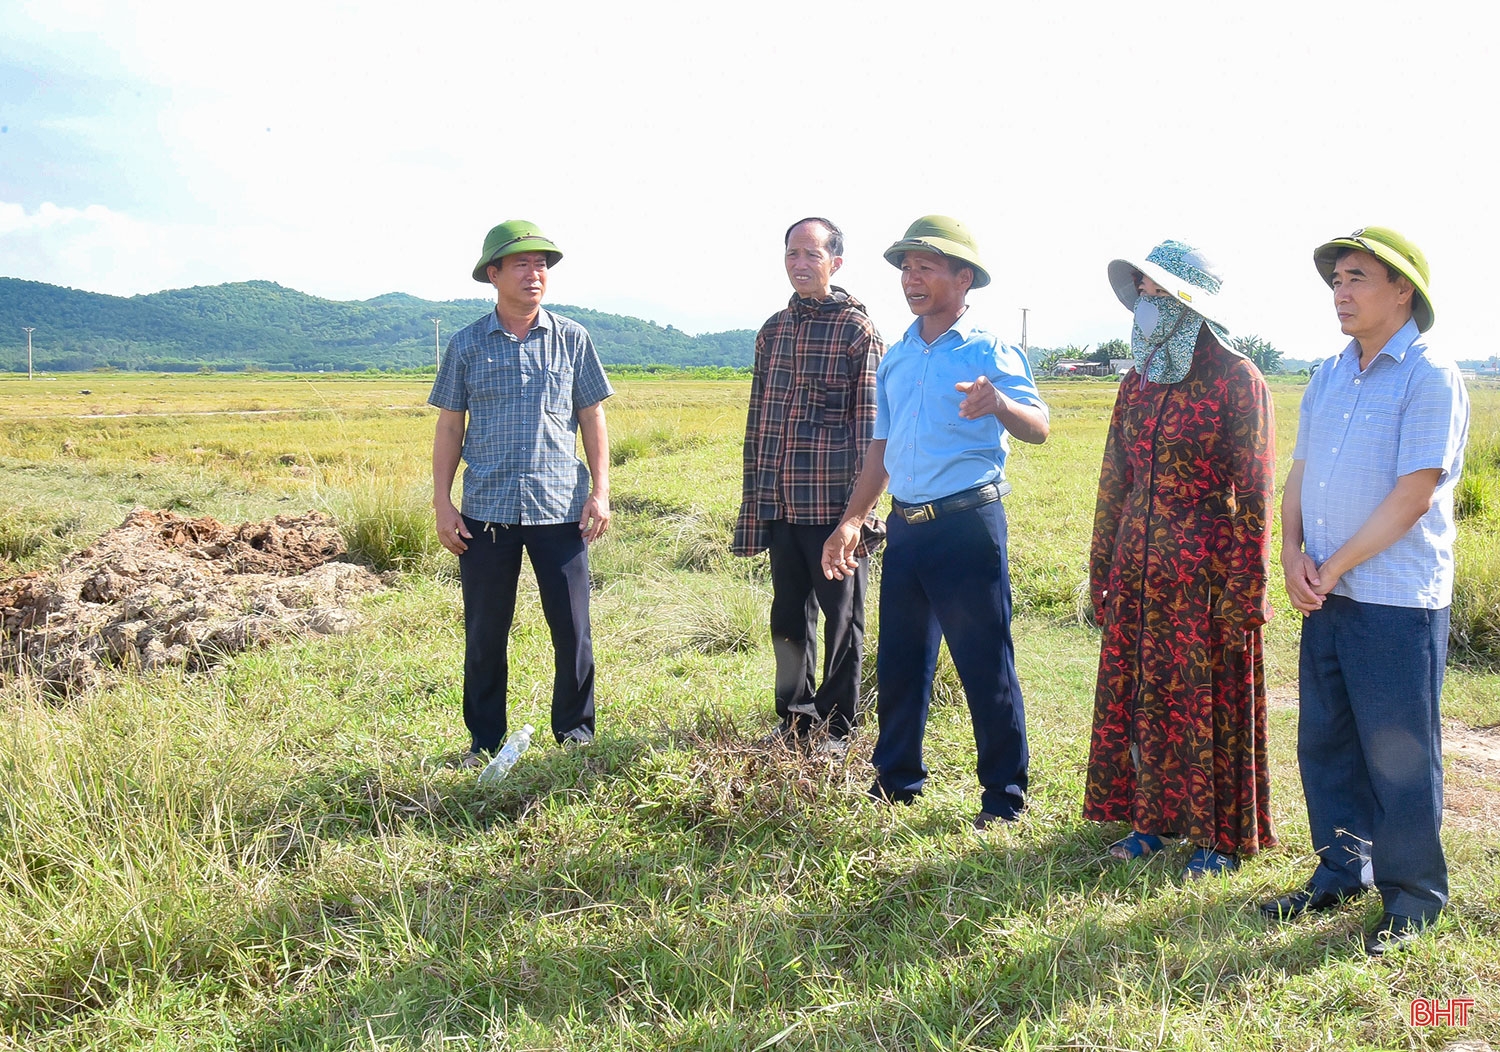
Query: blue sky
(353, 149)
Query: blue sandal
(1206, 862)
(1136, 845)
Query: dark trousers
(798, 591)
(1369, 744)
(489, 571)
(949, 579)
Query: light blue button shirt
(931, 452)
(1358, 432)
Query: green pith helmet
(945, 236)
(1389, 247)
(510, 237)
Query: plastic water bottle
(506, 758)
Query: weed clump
(389, 526)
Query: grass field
(273, 856)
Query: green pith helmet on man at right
(1392, 249)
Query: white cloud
(350, 150)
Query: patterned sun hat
(1184, 271)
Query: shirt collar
(543, 321)
(836, 299)
(965, 327)
(1395, 348)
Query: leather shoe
(1393, 933)
(1309, 900)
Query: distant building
(1076, 367)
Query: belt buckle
(921, 513)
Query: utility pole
(28, 349)
(437, 346)
(1023, 329)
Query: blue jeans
(1369, 744)
(949, 579)
(489, 572)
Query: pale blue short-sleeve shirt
(521, 462)
(1357, 433)
(931, 452)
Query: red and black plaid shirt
(812, 415)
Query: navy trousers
(798, 590)
(949, 579)
(489, 571)
(1369, 743)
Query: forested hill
(261, 324)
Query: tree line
(260, 324)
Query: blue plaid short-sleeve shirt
(521, 462)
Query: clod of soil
(161, 590)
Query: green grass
(273, 856)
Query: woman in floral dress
(1177, 575)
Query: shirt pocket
(557, 391)
(1376, 433)
(828, 404)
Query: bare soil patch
(163, 590)
(1471, 789)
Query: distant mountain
(263, 325)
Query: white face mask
(1162, 339)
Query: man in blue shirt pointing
(948, 396)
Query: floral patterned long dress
(1177, 574)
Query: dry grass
(274, 857)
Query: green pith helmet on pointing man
(510, 237)
(947, 237)
(1391, 249)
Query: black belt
(977, 497)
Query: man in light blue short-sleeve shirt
(949, 395)
(1368, 531)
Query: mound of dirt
(162, 590)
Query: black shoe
(1393, 933)
(786, 736)
(1308, 900)
(880, 794)
(984, 819)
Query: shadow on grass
(684, 886)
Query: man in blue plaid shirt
(513, 391)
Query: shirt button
(1322, 484)
(1320, 522)
(1335, 449)
(1346, 416)
(1356, 383)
